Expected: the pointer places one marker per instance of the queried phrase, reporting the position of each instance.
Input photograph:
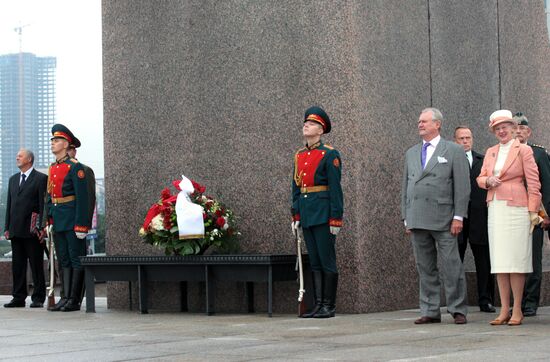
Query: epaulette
(539, 146)
(73, 160)
(328, 146)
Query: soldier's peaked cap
(317, 114)
(60, 131)
(521, 119)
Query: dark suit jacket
(477, 208)
(23, 201)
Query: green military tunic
(317, 201)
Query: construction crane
(19, 31)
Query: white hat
(501, 116)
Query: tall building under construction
(27, 109)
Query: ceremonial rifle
(301, 291)
(51, 287)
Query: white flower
(203, 198)
(157, 223)
(142, 232)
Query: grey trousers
(427, 245)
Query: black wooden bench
(183, 269)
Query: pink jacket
(519, 167)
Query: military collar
(314, 146)
(62, 159)
(534, 145)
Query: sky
(69, 30)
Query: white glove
(81, 235)
(295, 226)
(49, 229)
(334, 230)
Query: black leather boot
(328, 309)
(73, 304)
(317, 278)
(67, 280)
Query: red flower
(176, 184)
(165, 194)
(198, 187)
(219, 213)
(153, 211)
(204, 216)
(167, 223)
(220, 222)
(208, 204)
(171, 200)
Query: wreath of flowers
(160, 227)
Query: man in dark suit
(434, 201)
(531, 293)
(25, 205)
(475, 225)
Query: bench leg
(270, 291)
(183, 292)
(250, 296)
(90, 291)
(142, 290)
(210, 290)
(130, 299)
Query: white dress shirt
(431, 148)
(470, 157)
(26, 173)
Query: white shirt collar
(434, 142)
(27, 173)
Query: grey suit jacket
(430, 198)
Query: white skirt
(510, 243)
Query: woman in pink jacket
(513, 208)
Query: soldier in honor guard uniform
(90, 180)
(68, 210)
(317, 208)
(531, 293)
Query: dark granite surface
(216, 91)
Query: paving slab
(115, 335)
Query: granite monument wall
(216, 90)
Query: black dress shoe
(15, 304)
(487, 308)
(529, 312)
(427, 320)
(460, 318)
(37, 305)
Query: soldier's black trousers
(531, 293)
(69, 249)
(320, 247)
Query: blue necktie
(424, 154)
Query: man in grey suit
(434, 201)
